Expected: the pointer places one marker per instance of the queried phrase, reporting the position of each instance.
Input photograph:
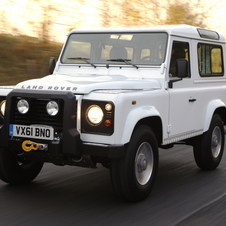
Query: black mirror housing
(181, 68)
(52, 64)
(181, 71)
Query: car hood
(84, 84)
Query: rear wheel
(14, 170)
(209, 147)
(133, 176)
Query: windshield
(116, 48)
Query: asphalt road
(183, 195)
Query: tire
(15, 171)
(133, 176)
(209, 147)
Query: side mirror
(181, 71)
(52, 64)
(181, 68)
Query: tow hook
(28, 145)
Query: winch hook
(28, 145)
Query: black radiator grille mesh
(37, 113)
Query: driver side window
(180, 50)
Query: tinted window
(210, 60)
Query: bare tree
(186, 13)
(42, 26)
(105, 13)
(52, 16)
(155, 12)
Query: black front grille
(37, 113)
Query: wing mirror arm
(171, 81)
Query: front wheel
(209, 147)
(133, 176)
(14, 170)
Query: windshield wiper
(127, 61)
(83, 59)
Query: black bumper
(109, 151)
(55, 149)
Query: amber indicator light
(107, 123)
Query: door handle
(192, 100)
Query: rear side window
(210, 60)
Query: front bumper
(54, 154)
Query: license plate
(36, 131)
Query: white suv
(114, 97)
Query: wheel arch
(214, 107)
(155, 123)
(143, 116)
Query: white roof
(174, 30)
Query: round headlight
(52, 108)
(2, 108)
(95, 114)
(23, 106)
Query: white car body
(114, 97)
(148, 86)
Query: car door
(182, 96)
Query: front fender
(133, 118)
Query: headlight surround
(2, 108)
(23, 106)
(94, 115)
(97, 117)
(52, 108)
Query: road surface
(183, 195)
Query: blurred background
(32, 31)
